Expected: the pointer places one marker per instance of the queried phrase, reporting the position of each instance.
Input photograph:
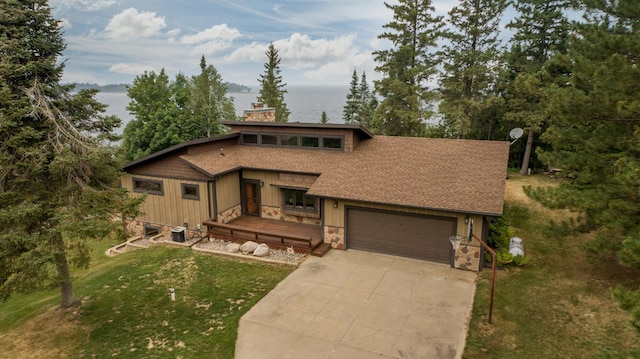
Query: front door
(251, 198)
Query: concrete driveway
(354, 304)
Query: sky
(319, 42)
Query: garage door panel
(403, 234)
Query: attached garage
(402, 234)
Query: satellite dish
(515, 134)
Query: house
(398, 195)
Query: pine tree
(271, 86)
(353, 98)
(323, 118)
(594, 134)
(58, 178)
(209, 102)
(471, 68)
(407, 68)
(541, 31)
(367, 103)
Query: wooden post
(493, 275)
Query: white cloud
(131, 24)
(130, 69)
(85, 5)
(299, 51)
(65, 24)
(212, 40)
(343, 68)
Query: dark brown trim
(136, 189)
(177, 147)
(183, 191)
(357, 128)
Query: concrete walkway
(354, 304)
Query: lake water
(306, 103)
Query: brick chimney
(260, 113)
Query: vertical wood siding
(270, 195)
(228, 191)
(170, 208)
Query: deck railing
(256, 233)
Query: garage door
(402, 234)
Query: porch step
(321, 250)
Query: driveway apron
(355, 304)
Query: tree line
(571, 85)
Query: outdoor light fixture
(335, 204)
(466, 220)
(261, 183)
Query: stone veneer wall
(230, 214)
(272, 213)
(334, 236)
(468, 256)
(278, 214)
(136, 228)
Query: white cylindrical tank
(515, 247)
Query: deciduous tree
(58, 178)
(209, 103)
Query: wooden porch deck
(269, 231)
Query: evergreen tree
(471, 68)
(351, 106)
(595, 133)
(367, 103)
(209, 102)
(407, 68)
(58, 179)
(323, 118)
(595, 129)
(541, 31)
(271, 86)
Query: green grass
(558, 305)
(127, 311)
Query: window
(147, 186)
(332, 142)
(190, 191)
(249, 139)
(299, 200)
(150, 231)
(269, 140)
(310, 141)
(289, 141)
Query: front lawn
(127, 311)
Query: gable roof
(452, 175)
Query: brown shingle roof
(456, 175)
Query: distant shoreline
(122, 88)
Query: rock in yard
(261, 251)
(233, 247)
(248, 247)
